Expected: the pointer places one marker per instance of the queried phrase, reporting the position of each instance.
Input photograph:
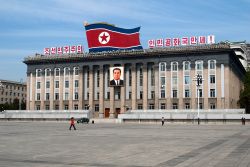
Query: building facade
(159, 78)
(11, 90)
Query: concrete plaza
(51, 144)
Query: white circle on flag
(104, 37)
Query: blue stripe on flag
(112, 28)
(101, 49)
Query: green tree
(245, 93)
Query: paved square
(41, 144)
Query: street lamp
(125, 108)
(198, 78)
(90, 113)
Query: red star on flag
(104, 37)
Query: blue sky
(28, 26)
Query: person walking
(72, 123)
(162, 121)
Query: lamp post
(90, 113)
(199, 80)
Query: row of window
(187, 94)
(56, 96)
(7, 100)
(187, 65)
(139, 106)
(174, 106)
(66, 84)
(66, 107)
(12, 93)
(66, 71)
(14, 87)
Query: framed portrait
(116, 76)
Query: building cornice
(40, 59)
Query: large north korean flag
(105, 37)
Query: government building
(154, 79)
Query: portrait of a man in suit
(117, 79)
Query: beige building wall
(232, 85)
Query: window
(108, 95)
(212, 64)
(76, 96)
(76, 83)
(175, 106)
(152, 76)
(163, 106)
(162, 93)
(66, 107)
(76, 71)
(129, 95)
(212, 106)
(47, 107)
(141, 77)
(200, 92)
(212, 79)
(187, 65)
(97, 95)
(174, 80)
(47, 96)
(47, 72)
(139, 107)
(57, 84)
(187, 93)
(86, 107)
(141, 94)
(174, 66)
(66, 71)
(117, 95)
(98, 78)
(187, 106)
(130, 77)
(56, 107)
(66, 96)
(152, 94)
(56, 96)
(76, 107)
(38, 96)
(39, 73)
(187, 80)
(151, 106)
(201, 106)
(66, 84)
(38, 85)
(88, 78)
(96, 107)
(174, 93)
(163, 82)
(199, 65)
(38, 107)
(47, 84)
(162, 66)
(212, 92)
(57, 72)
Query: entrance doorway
(106, 113)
